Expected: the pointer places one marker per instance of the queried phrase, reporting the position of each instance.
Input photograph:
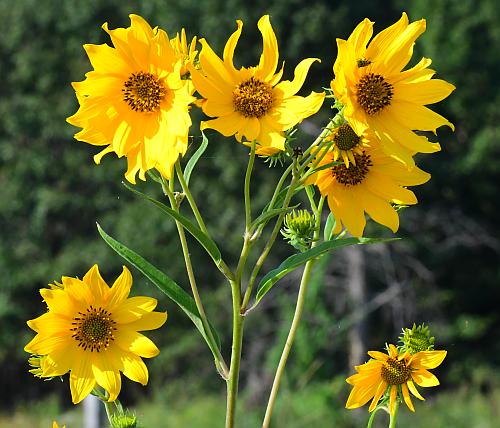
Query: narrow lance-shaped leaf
(169, 287)
(200, 236)
(329, 226)
(293, 262)
(195, 158)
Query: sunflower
(186, 52)
(378, 95)
(392, 371)
(134, 102)
(91, 330)
(251, 102)
(371, 183)
(346, 142)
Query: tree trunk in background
(356, 292)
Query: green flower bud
(299, 228)
(416, 339)
(125, 420)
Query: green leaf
(329, 226)
(293, 262)
(170, 288)
(268, 215)
(200, 236)
(195, 158)
(155, 175)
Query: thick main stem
(234, 370)
(299, 307)
(394, 415)
(289, 342)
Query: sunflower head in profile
(377, 93)
(92, 331)
(371, 184)
(252, 103)
(185, 51)
(346, 142)
(134, 102)
(396, 372)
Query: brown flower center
(93, 329)
(395, 372)
(143, 92)
(355, 174)
(345, 138)
(374, 93)
(253, 98)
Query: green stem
(192, 280)
(372, 416)
(189, 196)
(268, 246)
(394, 416)
(248, 176)
(299, 307)
(234, 371)
(222, 266)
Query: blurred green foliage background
(445, 271)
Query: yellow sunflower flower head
(251, 103)
(92, 331)
(396, 372)
(134, 101)
(54, 425)
(377, 94)
(186, 52)
(371, 183)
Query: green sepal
(207, 243)
(166, 285)
(329, 226)
(195, 158)
(293, 262)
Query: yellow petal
(359, 396)
(227, 125)
(376, 398)
(214, 68)
(230, 47)
(59, 361)
(387, 189)
(424, 92)
(380, 210)
(134, 368)
(148, 321)
(406, 397)
(136, 343)
(81, 379)
(417, 117)
(424, 378)
(413, 390)
(43, 345)
(392, 399)
(350, 212)
(269, 57)
(428, 359)
(120, 289)
(97, 286)
(378, 355)
(290, 88)
(133, 308)
(360, 37)
(381, 42)
(106, 374)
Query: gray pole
(91, 412)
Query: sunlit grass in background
(316, 405)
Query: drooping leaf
(293, 262)
(209, 245)
(195, 158)
(169, 287)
